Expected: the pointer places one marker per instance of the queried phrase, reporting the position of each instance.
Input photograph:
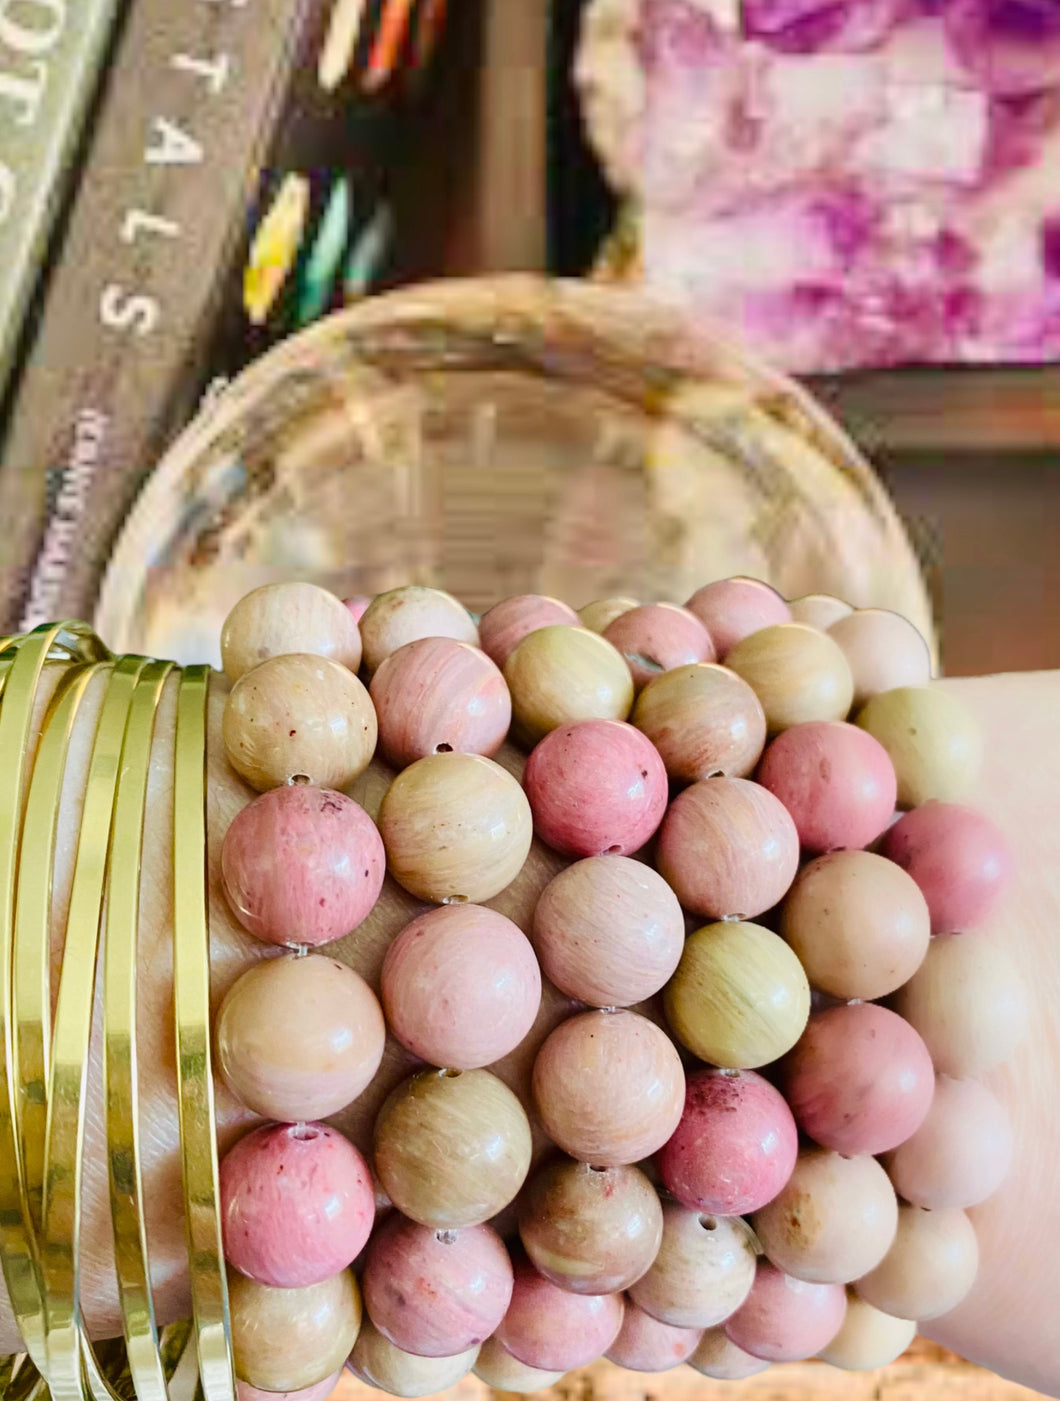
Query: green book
(52, 53)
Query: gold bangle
(67, 1349)
(191, 995)
(121, 1091)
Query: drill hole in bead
(299, 780)
(443, 749)
(445, 1237)
(708, 1223)
(597, 1169)
(452, 1074)
(612, 850)
(455, 900)
(303, 1133)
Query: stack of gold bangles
(44, 1067)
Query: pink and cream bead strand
(757, 1004)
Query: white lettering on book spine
(29, 33)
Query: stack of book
(182, 182)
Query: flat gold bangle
(18, 1253)
(191, 995)
(120, 1081)
(64, 1148)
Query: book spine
(186, 115)
(52, 53)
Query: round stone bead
(798, 673)
(597, 616)
(819, 610)
(858, 923)
(608, 1087)
(555, 1330)
(588, 1229)
(598, 787)
(868, 1338)
(721, 1359)
(439, 696)
(357, 605)
(302, 865)
(704, 720)
(379, 1363)
(928, 1270)
(320, 1392)
(733, 609)
(968, 1002)
(461, 986)
(703, 1271)
(960, 1154)
(436, 1293)
(609, 931)
(833, 1221)
(735, 1146)
(752, 843)
(297, 1204)
(935, 744)
(288, 1339)
(456, 827)
(560, 675)
(644, 1344)
(299, 1038)
(957, 857)
(656, 637)
(835, 780)
(787, 1319)
(883, 650)
(290, 617)
(404, 615)
(860, 1080)
(299, 718)
(739, 998)
(503, 1372)
(452, 1148)
(505, 625)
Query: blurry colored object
(848, 183)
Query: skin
(1008, 1321)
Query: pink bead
(644, 1344)
(461, 986)
(728, 847)
(438, 696)
(735, 1146)
(358, 605)
(786, 1319)
(297, 1204)
(320, 1392)
(302, 865)
(596, 788)
(436, 1293)
(957, 857)
(507, 623)
(555, 1330)
(837, 782)
(657, 637)
(860, 1080)
(732, 609)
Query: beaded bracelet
(791, 1182)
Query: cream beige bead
(452, 1148)
(797, 672)
(868, 1338)
(819, 610)
(739, 998)
(833, 1222)
(287, 1339)
(858, 923)
(379, 1363)
(934, 743)
(721, 1359)
(500, 1370)
(704, 720)
(883, 650)
(968, 1002)
(409, 613)
(560, 675)
(961, 1154)
(291, 617)
(703, 1272)
(456, 827)
(299, 718)
(928, 1270)
(597, 616)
